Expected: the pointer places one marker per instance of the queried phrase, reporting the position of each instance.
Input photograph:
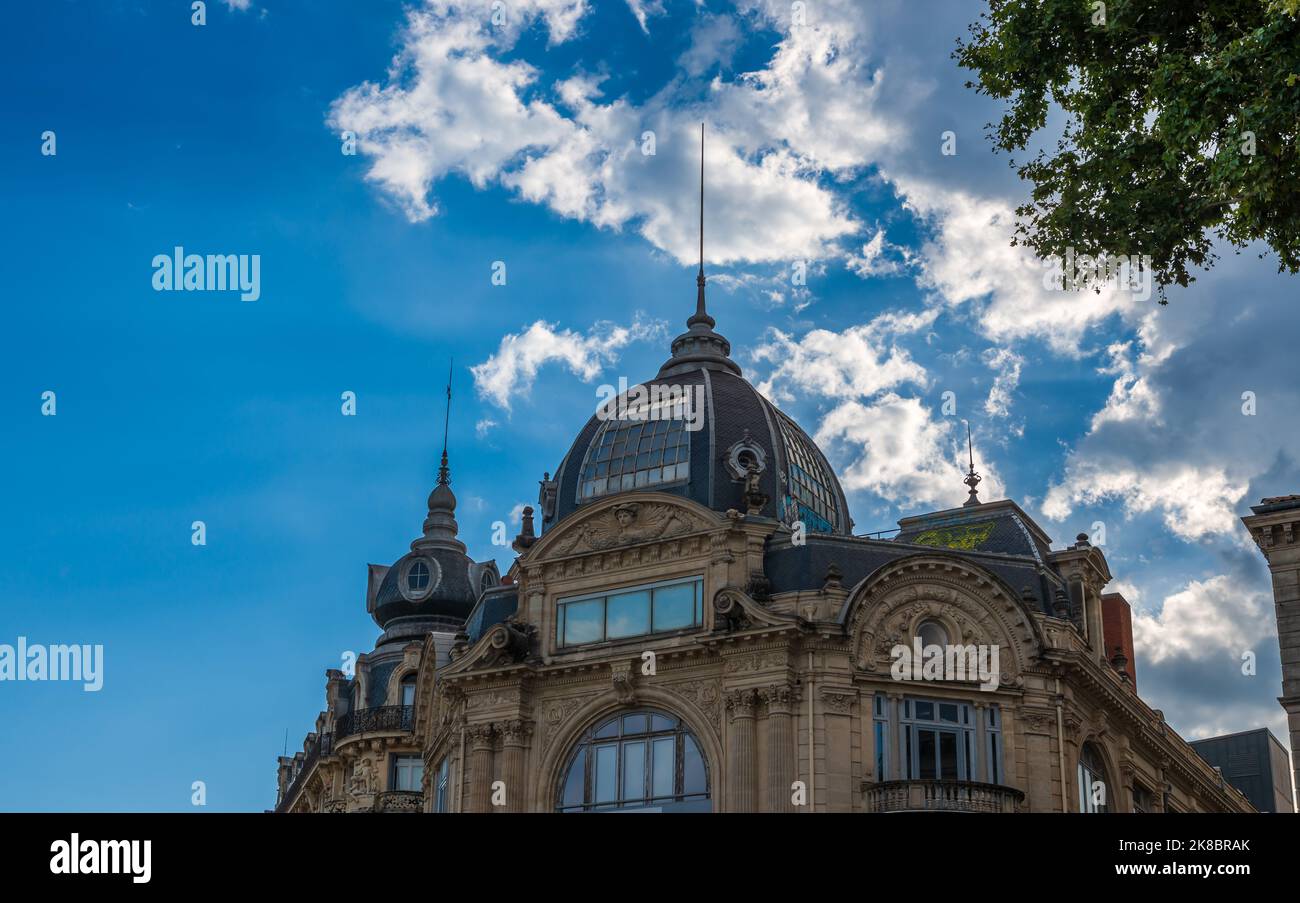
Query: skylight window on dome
(634, 454)
(809, 484)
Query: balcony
(392, 718)
(940, 796)
(321, 746)
(399, 801)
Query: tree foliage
(1164, 102)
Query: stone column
(514, 750)
(1275, 527)
(480, 738)
(741, 752)
(781, 769)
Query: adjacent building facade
(1254, 762)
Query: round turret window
(418, 578)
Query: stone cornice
(1151, 730)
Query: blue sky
(522, 143)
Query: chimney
(1117, 630)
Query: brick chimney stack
(1117, 630)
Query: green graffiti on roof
(964, 537)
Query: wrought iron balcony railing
(320, 747)
(940, 796)
(381, 718)
(399, 801)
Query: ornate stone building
(697, 628)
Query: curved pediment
(624, 520)
(973, 606)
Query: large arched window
(633, 454)
(645, 760)
(1094, 789)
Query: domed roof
(699, 429)
(435, 584)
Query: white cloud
(878, 258)
(854, 363)
(1006, 365)
(1207, 618)
(1131, 592)
(714, 40)
(509, 373)
(969, 261)
(451, 106)
(643, 10)
(484, 426)
(899, 452)
(1133, 397)
(1194, 501)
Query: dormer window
(417, 578)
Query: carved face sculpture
(626, 514)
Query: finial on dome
(700, 347)
(972, 478)
(701, 313)
(444, 472)
(440, 527)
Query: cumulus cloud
(898, 451)
(968, 262)
(856, 362)
(451, 104)
(1174, 436)
(878, 257)
(508, 374)
(1207, 618)
(714, 40)
(643, 10)
(1194, 501)
(1006, 365)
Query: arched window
(645, 760)
(417, 578)
(809, 484)
(932, 634)
(1094, 789)
(408, 689)
(633, 454)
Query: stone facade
(1275, 527)
(775, 692)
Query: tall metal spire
(972, 478)
(701, 314)
(444, 473)
(440, 526)
(699, 346)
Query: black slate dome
(436, 584)
(738, 430)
